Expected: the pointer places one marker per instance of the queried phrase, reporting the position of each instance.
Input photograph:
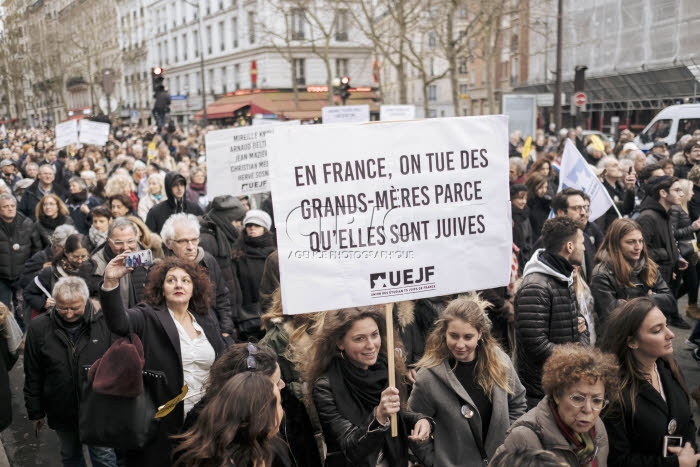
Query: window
(234, 32)
(432, 113)
(198, 77)
(432, 40)
(341, 67)
(463, 91)
(251, 27)
(341, 33)
(462, 67)
(174, 14)
(211, 80)
(195, 35)
(222, 44)
(175, 49)
(224, 79)
(209, 40)
(686, 126)
(166, 51)
(299, 67)
(432, 92)
(237, 76)
(298, 19)
(659, 129)
(185, 47)
(177, 85)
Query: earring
(342, 355)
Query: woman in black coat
(7, 361)
(175, 309)
(50, 212)
(652, 403)
(538, 201)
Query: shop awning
(221, 110)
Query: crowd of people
(569, 364)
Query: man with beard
(546, 311)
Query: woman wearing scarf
(197, 188)
(347, 367)
(577, 381)
(624, 271)
(252, 249)
(154, 195)
(50, 212)
(72, 260)
(79, 203)
(468, 385)
(101, 218)
(650, 422)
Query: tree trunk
(452, 58)
(426, 106)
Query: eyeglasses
(74, 309)
(187, 241)
(252, 351)
(120, 243)
(579, 400)
(580, 208)
(73, 257)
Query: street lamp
(544, 23)
(201, 60)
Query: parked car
(670, 124)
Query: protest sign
(93, 132)
(378, 213)
(389, 113)
(237, 160)
(345, 114)
(66, 133)
(575, 172)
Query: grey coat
(438, 393)
(537, 429)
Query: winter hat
(258, 217)
(119, 371)
(139, 165)
(629, 147)
(5, 163)
(228, 208)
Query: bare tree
(12, 54)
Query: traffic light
(344, 88)
(157, 79)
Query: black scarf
(226, 234)
(8, 227)
(557, 262)
(76, 199)
(263, 243)
(51, 224)
(357, 391)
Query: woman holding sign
(347, 365)
(468, 385)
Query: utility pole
(201, 59)
(557, 80)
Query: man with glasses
(43, 185)
(620, 187)
(122, 237)
(180, 235)
(58, 345)
(662, 193)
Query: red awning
(215, 111)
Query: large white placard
(392, 113)
(345, 114)
(95, 133)
(66, 133)
(378, 213)
(237, 161)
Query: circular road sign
(580, 99)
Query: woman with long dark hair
(468, 385)
(652, 407)
(538, 200)
(347, 367)
(625, 271)
(50, 212)
(237, 427)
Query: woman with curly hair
(120, 205)
(50, 212)
(238, 427)
(347, 367)
(576, 381)
(468, 385)
(652, 402)
(122, 183)
(180, 337)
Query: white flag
(576, 173)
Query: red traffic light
(345, 80)
(158, 70)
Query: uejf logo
(401, 282)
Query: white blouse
(197, 357)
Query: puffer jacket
(52, 364)
(537, 429)
(683, 231)
(546, 314)
(608, 293)
(658, 236)
(19, 240)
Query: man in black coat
(181, 235)
(662, 193)
(58, 345)
(546, 311)
(19, 240)
(44, 184)
(175, 188)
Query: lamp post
(201, 60)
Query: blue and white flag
(576, 173)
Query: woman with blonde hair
(468, 385)
(347, 367)
(120, 183)
(155, 194)
(684, 229)
(148, 239)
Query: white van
(670, 124)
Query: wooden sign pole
(389, 307)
